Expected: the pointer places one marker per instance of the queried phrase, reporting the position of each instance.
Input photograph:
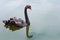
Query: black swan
(19, 22)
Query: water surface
(44, 18)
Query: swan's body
(19, 22)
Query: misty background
(44, 18)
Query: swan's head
(28, 7)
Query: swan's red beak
(30, 8)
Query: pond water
(44, 18)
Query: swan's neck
(26, 17)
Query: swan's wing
(20, 20)
(21, 24)
(24, 24)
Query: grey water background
(44, 18)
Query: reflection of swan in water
(12, 28)
(19, 22)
